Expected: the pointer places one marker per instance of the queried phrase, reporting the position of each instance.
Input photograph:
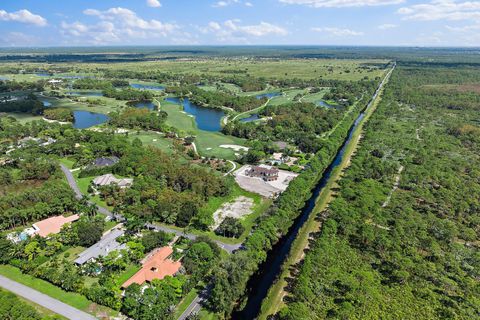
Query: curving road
(78, 194)
(44, 300)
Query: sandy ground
(268, 189)
(240, 207)
(234, 147)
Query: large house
(109, 179)
(52, 225)
(264, 172)
(157, 266)
(107, 244)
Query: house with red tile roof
(52, 225)
(157, 266)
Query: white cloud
(231, 30)
(226, 3)
(341, 3)
(338, 32)
(154, 3)
(468, 34)
(442, 10)
(387, 26)
(128, 18)
(116, 25)
(23, 16)
(18, 39)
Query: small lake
(73, 77)
(326, 104)
(46, 103)
(207, 119)
(143, 104)
(147, 86)
(268, 95)
(3, 78)
(43, 74)
(250, 118)
(87, 119)
(85, 93)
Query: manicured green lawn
(153, 139)
(73, 299)
(127, 274)
(67, 162)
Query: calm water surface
(147, 86)
(207, 119)
(87, 119)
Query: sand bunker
(235, 147)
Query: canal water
(207, 119)
(268, 272)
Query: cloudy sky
(214, 22)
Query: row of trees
(411, 256)
(231, 276)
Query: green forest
(414, 255)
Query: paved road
(234, 166)
(71, 181)
(225, 246)
(196, 304)
(44, 300)
(78, 194)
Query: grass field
(73, 299)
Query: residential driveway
(44, 300)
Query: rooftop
(105, 161)
(157, 266)
(107, 244)
(108, 179)
(53, 225)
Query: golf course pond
(207, 119)
(141, 86)
(87, 119)
(143, 104)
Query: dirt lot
(268, 189)
(242, 206)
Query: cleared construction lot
(268, 189)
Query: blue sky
(214, 22)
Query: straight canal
(268, 272)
